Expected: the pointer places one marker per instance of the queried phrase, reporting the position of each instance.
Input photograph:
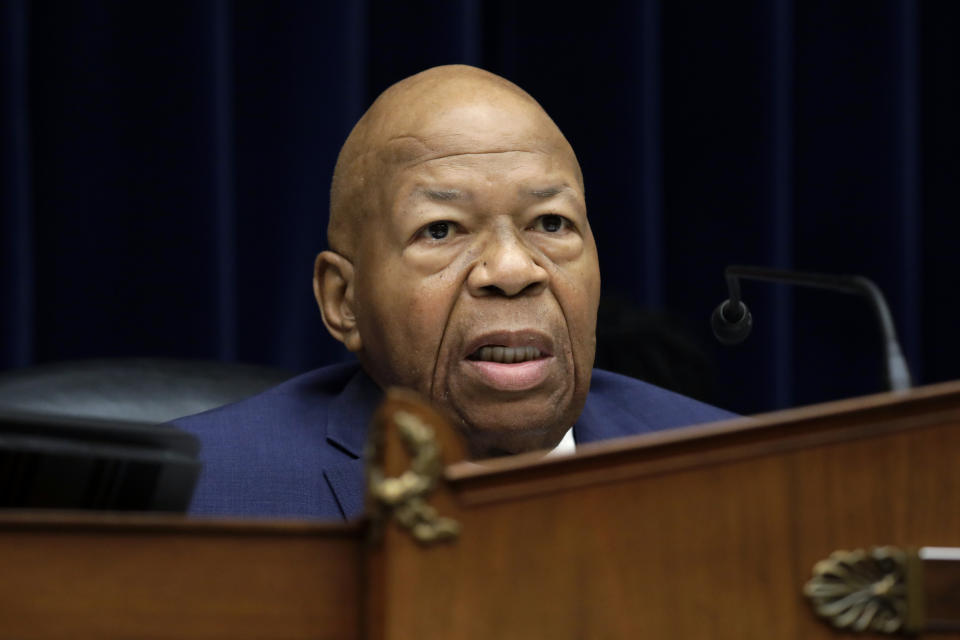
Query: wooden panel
(612, 561)
(942, 586)
(84, 577)
(898, 489)
(710, 533)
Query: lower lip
(518, 376)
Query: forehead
(469, 128)
(513, 142)
(504, 174)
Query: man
(462, 265)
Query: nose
(507, 267)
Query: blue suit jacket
(295, 450)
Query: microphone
(732, 321)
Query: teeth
(507, 355)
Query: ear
(333, 279)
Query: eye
(551, 223)
(440, 230)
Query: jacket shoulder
(619, 405)
(266, 455)
(307, 388)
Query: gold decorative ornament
(864, 590)
(406, 495)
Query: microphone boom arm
(898, 374)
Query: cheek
(429, 295)
(578, 292)
(426, 312)
(412, 312)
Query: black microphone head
(735, 331)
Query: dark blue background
(165, 168)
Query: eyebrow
(446, 195)
(546, 192)
(443, 195)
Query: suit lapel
(346, 481)
(348, 420)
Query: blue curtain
(165, 168)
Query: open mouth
(505, 355)
(510, 361)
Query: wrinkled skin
(458, 221)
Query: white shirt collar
(566, 445)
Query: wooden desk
(706, 532)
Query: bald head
(443, 111)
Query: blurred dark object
(49, 461)
(653, 347)
(145, 390)
(84, 434)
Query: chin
(511, 428)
